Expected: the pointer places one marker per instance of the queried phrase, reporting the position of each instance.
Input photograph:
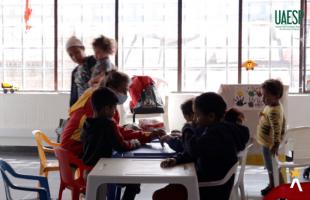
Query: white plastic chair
(239, 181)
(296, 140)
(229, 174)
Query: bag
(144, 95)
(60, 129)
(150, 124)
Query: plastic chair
(43, 191)
(229, 174)
(285, 192)
(239, 182)
(296, 141)
(66, 162)
(45, 166)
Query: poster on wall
(243, 97)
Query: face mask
(121, 98)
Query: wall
(22, 112)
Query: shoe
(266, 190)
(306, 173)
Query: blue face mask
(121, 97)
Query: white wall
(23, 112)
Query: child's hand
(170, 162)
(135, 143)
(157, 133)
(274, 149)
(165, 138)
(176, 133)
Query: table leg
(95, 190)
(192, 190)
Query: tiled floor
(255, 179)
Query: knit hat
(73, 41)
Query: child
(82, 73)
(103, 48)
(175, 139)
(234, 115)
(100, 135)
(271, 125)
(214, 150)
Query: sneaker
(266, 190)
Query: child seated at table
(100, 135)
(234, 115)
(214, 150)
(176, 139)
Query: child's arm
(276, 122)
(118, 142)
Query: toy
(8, 87)
(249, 65)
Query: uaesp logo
(288, 19)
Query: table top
(149, 150)
(130, 167)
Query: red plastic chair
(285, 192)
(66, 161)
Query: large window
(275, 49)
(26, 56)
(210, 41)
(204, 56)
(148, 39)
(86, 20)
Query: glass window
(148, 39)
(210, 32)
(23, 51)
(274, 48)
(86, 20)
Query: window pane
(148, 39)
(86, 20)
(23, 50)
(273, 47)
(210, 32)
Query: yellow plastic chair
(45, 166)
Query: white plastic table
(123, 170)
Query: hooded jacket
(214, 151)
(100, 136)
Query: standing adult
(82, 72)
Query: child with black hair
(176, 139)
(234, 115)
(271, 126)
(214, 150)
(100, 135)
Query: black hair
(234, 115)
(103, 97)
(273, 87)
(210, 102)
(187, 107)
(115, 78)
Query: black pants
(130, 191)
(218, 192)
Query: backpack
(144, 95)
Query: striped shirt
(271, 126)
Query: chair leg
(46, 174)
(242, 192)
(61, 189)
(41, 170)
(75, 193)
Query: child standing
(176, 139)
(100, 135)
(271, 126)
(103, 47)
